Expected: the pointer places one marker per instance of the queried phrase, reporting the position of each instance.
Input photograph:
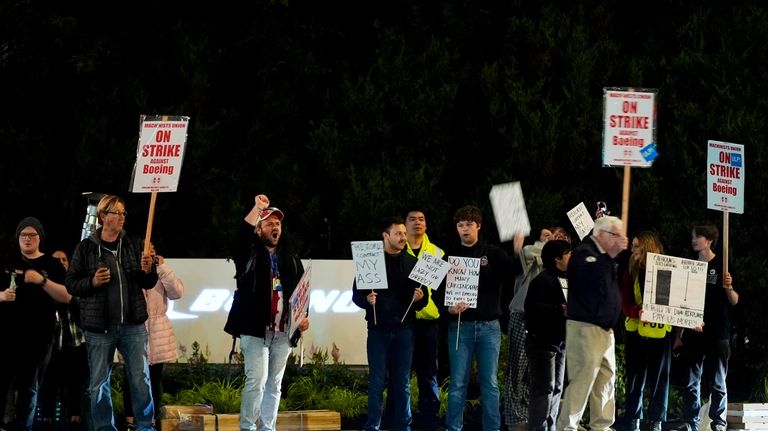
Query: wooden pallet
(747, 416)
(314, 420)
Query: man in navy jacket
(594, 305)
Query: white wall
(201, 313)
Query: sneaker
(634, 425)
(655, 426)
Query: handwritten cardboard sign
(368, 259)
(463, 281)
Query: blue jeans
(547, 371)
(647, 361)
(264, 363)
(708, 359)
(480, 340)
(389, 354)
(131, 342)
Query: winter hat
(31, 221)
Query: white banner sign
(674, 290)
(581, 220)
(160, 154)
(725, 177)
(299, 300)
(429, 271)
(368, 258)
(463, 281)
(509, 210)
(629, 126)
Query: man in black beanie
(39, 284)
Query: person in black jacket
(479, 331)
(545, 311)
(390, 332)
(266, 274)
(29, 317)
(107, 273)
(594, 306)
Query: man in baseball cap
(267, 274)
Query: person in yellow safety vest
(426, 326)
(647, 347)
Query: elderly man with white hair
(594, 305)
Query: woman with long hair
(647, 345)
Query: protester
(545, 311)
(29, 318)
(108, 273)
(516, 382)
(267, 273)
(594, 305)
(160, 335)
(390, 332)
(647, 347)
(425, 328)
(707, 347)
(67, 375)
(479, 334)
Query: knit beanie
(35, 223)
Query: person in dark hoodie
(267, 274)
(30, 317)
(545, 311)
(390, 332)
(594, 306)
(479, 333)
(108, 272)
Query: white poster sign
(429, 271)
(629, 126)
(368, 258)
(160, 154)
(299, 300)
(509, 210)
(463, 281)
(725, 177)
(674, 290)
(581, 220)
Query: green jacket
(430, 311)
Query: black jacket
(97, 304)
(251, 310)
(544, 316)
(593, 286)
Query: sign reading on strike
(629, 126)
(160, 154)
(725, 177)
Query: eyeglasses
(118, 213)
(31, 235)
